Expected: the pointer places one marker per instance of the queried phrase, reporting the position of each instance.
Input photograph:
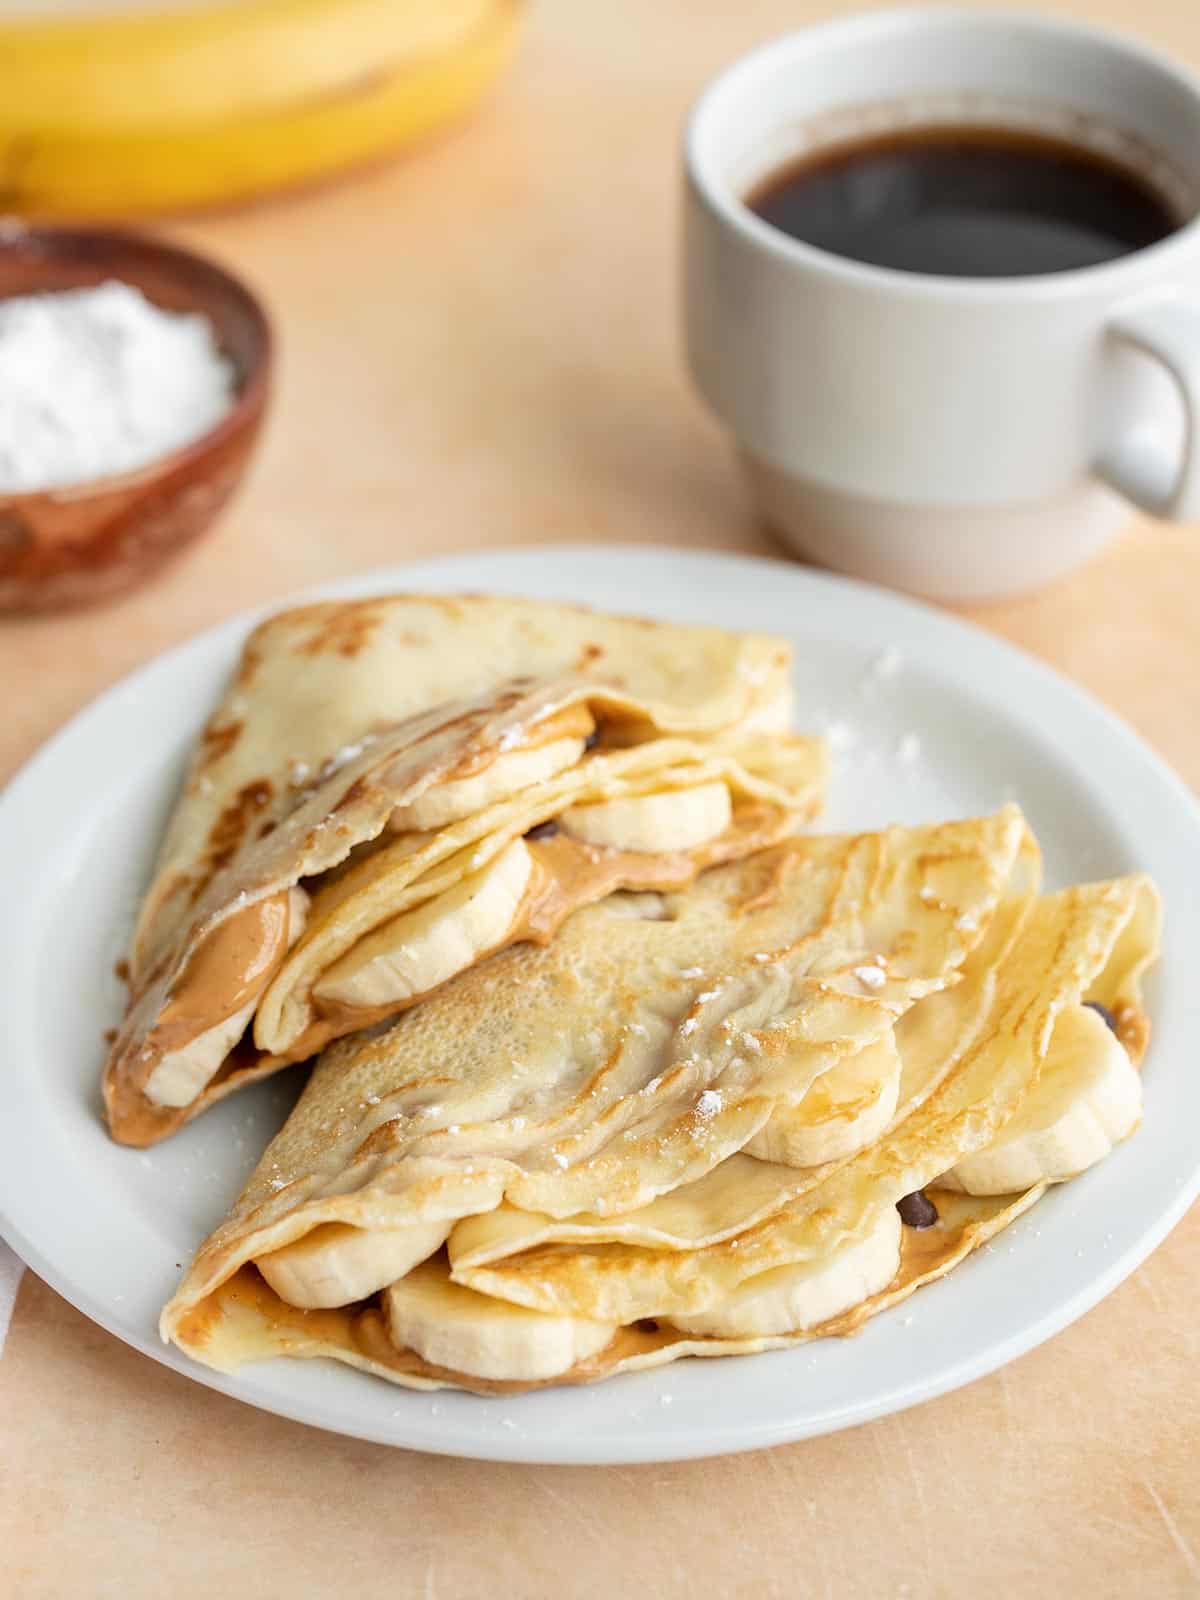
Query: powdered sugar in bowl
(88, 508)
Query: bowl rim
(249, 399)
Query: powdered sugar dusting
(708, 1104)
(850, 719)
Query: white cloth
(12, 1269)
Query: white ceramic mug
(960, 437)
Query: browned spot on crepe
(341, 629)
(252, 658)
(216, 741)
(231, 827)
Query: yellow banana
(135, 114)
(214, 61)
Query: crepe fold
(574, 1121)
(354, 828)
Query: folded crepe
(684, 1126)
(393, 788)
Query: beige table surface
(478, 348)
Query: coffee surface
(965, 202)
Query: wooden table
(479, 348)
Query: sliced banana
(472, 1333)
(417, 951)
(184, 1073)
(790, 1299)
(507, 775)
(845, 1110)
(181, 1075)
(679, 819)
(1088, 1098)
(335, 1265)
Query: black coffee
(968, 202)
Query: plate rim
(708, 1438)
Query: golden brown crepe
(354, 827)
(574, 1120)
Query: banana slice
(507, 775)
(472, 1333)
(845, 1110)
(180, 1076)
(1087, 1099)
(417, 951)
(790, 1299)
(680, 819)
(335, 1265)
(184, 1073)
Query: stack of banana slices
(146, 109)
(618, 1062)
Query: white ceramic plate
(928, 718)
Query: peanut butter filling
(227, 971)
(229, 968)
(572, 722)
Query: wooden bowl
(72, 546)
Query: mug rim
(865, 26)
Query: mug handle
(1168, 330)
